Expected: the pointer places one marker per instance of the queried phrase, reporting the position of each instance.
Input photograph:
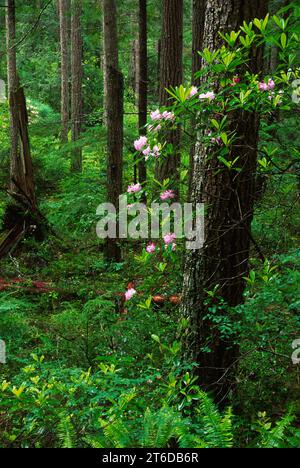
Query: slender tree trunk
(114, 101)
(171, 74)
(229, 200)
(143, 80)
(63, 21)
(76, 75)
(13, 85)
(198, 21)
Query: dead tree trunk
(18, 217)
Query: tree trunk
(20, 216)
(110, 39)
(63, 21)
(115, 112)
(21, 171)
(171, 74)
(198, 21)
(76, 74)
(143, 80)
(229, 200)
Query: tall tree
(21, 171)
(142, 80)
(76, 78)
(171, 74)
(114, 110)
(229, 198)
(63, 21)
(198, 21)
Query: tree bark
(76, 91)
(171, 74)
(63, 21)
(21, 172)
(143, 81)
(115, 113)
(198, 21)
(229, 200)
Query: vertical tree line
(229, 201)
(171, 75)
(114, 116)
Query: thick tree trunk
(171, 74)
(114, 101)
(76, 75)
(143, 80)
(63, 21)
(229, 200)
(198, 21)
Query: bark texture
(114, 100)
(229, 200)
(76, 76)
(63, 22)
(143, 80)
(171, 75)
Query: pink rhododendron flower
(169, 238)
(147, 151)
(129, 294)
(140, 143)
(151, 248)
(263, 86)
(193, 91)
(168, 115)
(155, 151)
(210, 95)
(134, 188)
(271, 84)
(156, 115)
(167, 195)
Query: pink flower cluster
(129, 294)
(193, 92)
(210, 95)
(134, 188)
(167, 195)
(166, 115)
(270, 86)
(142, 145)
(169, 240)
(150, 249)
